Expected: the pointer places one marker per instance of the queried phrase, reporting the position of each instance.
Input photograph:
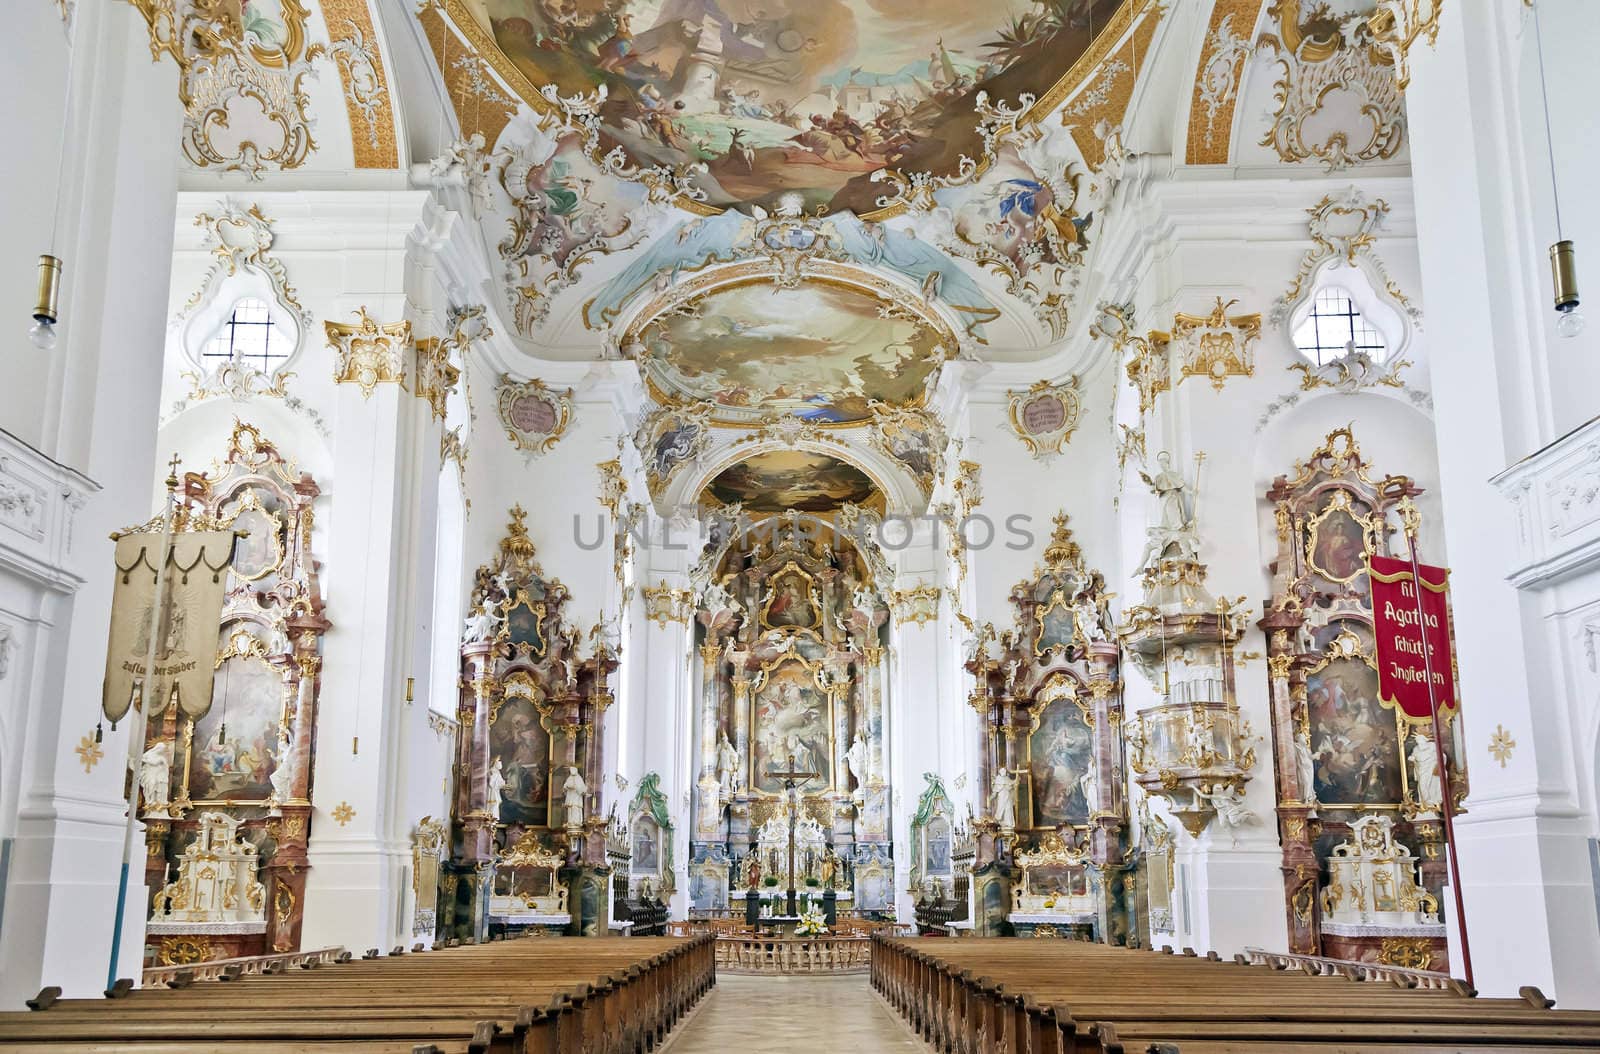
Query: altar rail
(244, 966)
(1318, 966)
(794, 955)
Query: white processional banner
(185, 629)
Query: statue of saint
(1003, 796)
(497, 788)
(829, 867)
(155, 772)
(752, 871)
(856, 759)
(283, 771)
(728, 767)
(572, 793)
(1425, 768)
(1175, 524)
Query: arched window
(1335, 327)
(249, 336)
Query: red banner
(1402, 668)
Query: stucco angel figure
(1228, 801)
(502, 582)
(1086, 618)
(155, 774)
(572, 794)
(1425, 769)
(481, 624)
(1003, 797)
(856, 759)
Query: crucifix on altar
(792, 779)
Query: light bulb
(1570, 324)
(43, 334)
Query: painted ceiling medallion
(803, 480)
(755, 100)
(823, 352)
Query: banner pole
(1410, 518)
(136, 726)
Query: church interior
(621, 525)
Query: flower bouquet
(812, 924)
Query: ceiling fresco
(803, 480)
(804, 96)
(820, 351)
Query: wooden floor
(777, 1015)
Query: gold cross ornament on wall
(1501, 745)
(343, 813)
(89, 752)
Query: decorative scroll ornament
(436, 377)
(534, 416)
(663, 604)
(613, 487)
(1336, 84)
(1343, 227)
(914, 438)
(1216, 88)
(1398, 24)
(1351, 372)
(670, 438)
(916, 606)
(1216, 346)
(241, 239)
(369, 354)
(366, 95)
(242, 86)
(1045, 416)
(1149, 366)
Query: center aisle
(777, 1015)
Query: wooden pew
(544, 995)
(1013, 996)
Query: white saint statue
(155, 770)
(481, 624)
(572, 792)
(727, 767)
(1175, 514)
(1305, 768)
(283, 770)
(1425, 770)
(497, 786)
(1003, 796)
(1232, 812)
(1088, 783)
(856, 759)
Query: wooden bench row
(548, 995)
(1010, 996)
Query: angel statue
(1003, 796)
(1228, 801)
(155, 771)
(481, 624)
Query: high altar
(791, 678)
